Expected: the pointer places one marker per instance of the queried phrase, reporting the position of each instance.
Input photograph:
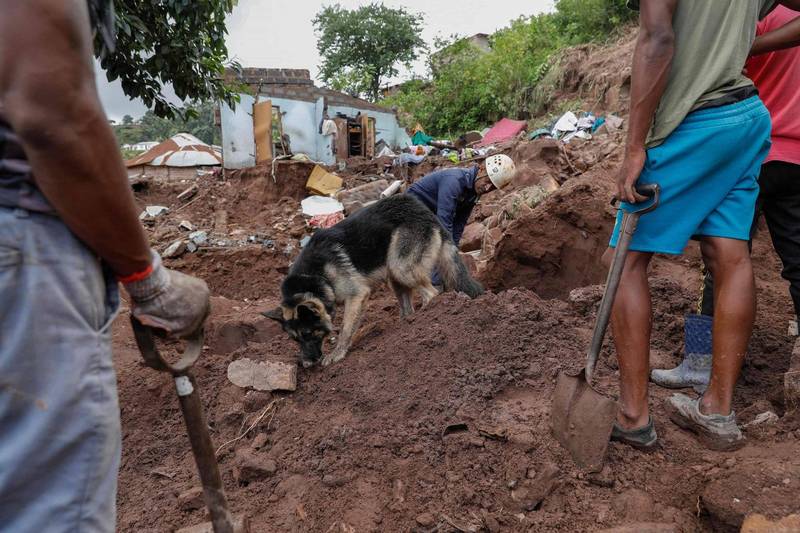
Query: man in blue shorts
(699, 129)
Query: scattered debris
(323, 183)
(392, 189)
(252, 466)
(326, 221)
(186, 225)
(188, 193)
(320, 205)
(358, 197)
(263, 375)
(176, 249)
(765, 418)
(191, 500)
(153, 211)
(199, 237)
(504, 130)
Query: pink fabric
(502, 131)
(777, 77)
(326, 221)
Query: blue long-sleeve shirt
(449, 193)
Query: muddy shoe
(695, 369)
(643, 438)
(716, 432)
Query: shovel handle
(630, 220)
(193, 416)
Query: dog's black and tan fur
(397, 240)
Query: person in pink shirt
(774, 67)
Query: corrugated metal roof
(181, 150)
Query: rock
(604, 478)
(153, 211)
(260, 441)
(191, 499)
(766, 485)
(186, 225)
(532, 492)
(191, 247)
(791, 380)
(176, 249)
(334, 480)
(472, 238)
(251, 466)
(757, 523)
(199, 237)
(426, 520)
(492, 221)
(633, 505)
(263, 375)
(764, 418)
(643, 527)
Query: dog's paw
(333, 357)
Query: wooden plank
(262, 130)
(342, 139)
(368, 136)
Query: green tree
(362, 47)
(170, 42)
(127, 120)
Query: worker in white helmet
(452, 193)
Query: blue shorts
(708, 171)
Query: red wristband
(136, 276)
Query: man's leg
(734, 315)
(60, 437)
(631, 320)
(711, 417)
(781, 192)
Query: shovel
(196, 427)
(581, 417)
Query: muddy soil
(440, 422)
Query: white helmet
(501, 170)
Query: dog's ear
(275, 314)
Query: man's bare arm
(49, 97)
(652, 60)
(787, 36)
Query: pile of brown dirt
(440, 422)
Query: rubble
(252, 466)
(188, 193)
(176, 249)
(263, 375)
(186, 225)
(199, 237)
(153, 211)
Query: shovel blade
(582, 420)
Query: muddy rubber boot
(695, 369)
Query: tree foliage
(362, 47)
(151, 127)
(170, 42)
(473, 90)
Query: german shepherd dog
(397, 239)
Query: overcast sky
(279, 34)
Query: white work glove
(169, 301)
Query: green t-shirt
(712, 41)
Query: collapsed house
(284, 112)
(182, 156)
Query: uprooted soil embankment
(440, 422)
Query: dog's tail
(454, 273)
